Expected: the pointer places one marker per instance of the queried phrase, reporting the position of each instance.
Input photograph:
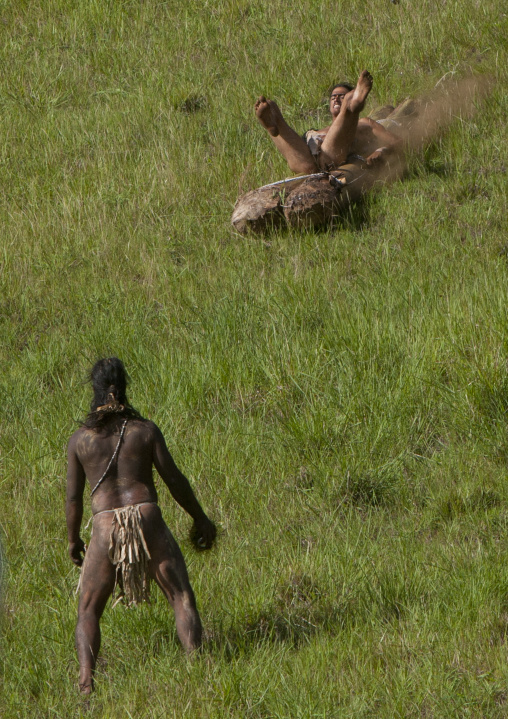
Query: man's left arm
(74, 503)
(204, 531)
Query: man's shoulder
(145, 428)
(143, 425)
(75, 436)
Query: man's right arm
(390, 144)
(178, 485)
(74, 502)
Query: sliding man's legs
(291, 146)
(340, 137)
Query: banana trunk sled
(310, 200)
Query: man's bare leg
(169, 575)
(292, 147)
(341, 135)
(167, 567)
(97, 583)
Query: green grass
(338, 398)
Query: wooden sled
(307, 201)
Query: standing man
(115, 450)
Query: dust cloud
(433, 113)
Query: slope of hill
(338, 399)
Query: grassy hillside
(337, 399)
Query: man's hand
(76, 549)
(203, 533)
(377, 157)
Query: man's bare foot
(356, 98)
(85, 685)
(266, 116)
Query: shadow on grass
(430, 163)
(302, 610)
(373, 488)
(354, 218)
(492, 398)
(455, 505)
(291, 626)
(370, 489)
(430, 166)
(299, 610)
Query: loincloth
(314, 140)
(128, 552)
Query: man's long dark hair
(109, 382)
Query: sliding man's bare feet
(268, 115)
(291, 146)
(356, 98)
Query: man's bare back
(115, 451)
(131, 480)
